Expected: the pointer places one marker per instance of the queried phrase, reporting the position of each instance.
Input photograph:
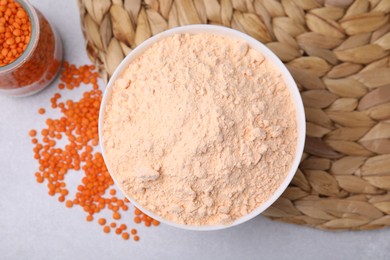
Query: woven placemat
(338, 53)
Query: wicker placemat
(338, 53)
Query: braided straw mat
(338, 53)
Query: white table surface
(36, 226)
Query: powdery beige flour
(200, 129)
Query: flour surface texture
(200, 129)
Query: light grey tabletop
(35, 226)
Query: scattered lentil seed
(137, 220)
(123, 227)
(69, 204)
(102, 221)
(106, 229)
(32, 133)
(125, 235)
(116, 215)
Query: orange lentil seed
(102, 221)
(106, 229)
(125, 235)
(69, 204)
(116, 215)
(137, 211)
(32, 133)
(123, 227)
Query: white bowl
(271, 57)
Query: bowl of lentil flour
(202, 127)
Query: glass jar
(39, 64)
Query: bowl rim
(271, 57)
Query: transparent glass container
(39, 64)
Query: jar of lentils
(30, 49)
